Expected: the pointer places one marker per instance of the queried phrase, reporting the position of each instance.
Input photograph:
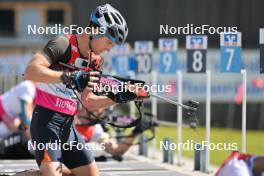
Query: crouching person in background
(16, 107)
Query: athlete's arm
(26, 112)
(118, 149)
(56, 50)
(111, 146)
(93, 102)
(37, 70)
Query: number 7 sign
(230, 48)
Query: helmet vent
(115, 18)
(107, 19)
(120, 40)
(120, 32)
(120, 18)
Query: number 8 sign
(168, 54)
(230, 47)
(196, 46)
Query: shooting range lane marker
(154, 109)
(208, 119)
(244, 110)
(261, 36)
(179, 116)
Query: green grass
(255, 144)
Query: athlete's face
(101, 44)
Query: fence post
(167, 152)
(143, 146)
(197, 157)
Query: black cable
(151, 127)
(93, 117)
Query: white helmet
(115, 25)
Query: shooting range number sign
(261, 42)
(144, 50)
(120, 59)
(196, 46)
(120, 64)
(230, 48)
(168, 55)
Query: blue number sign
(230, 47)
(168, 55)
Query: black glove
(144, 125)
(122, 97)
(77, 80)
(138, 129)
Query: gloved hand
(138, 129)
(122, 97)
(79, 80)
(144, 125)
(121, 90)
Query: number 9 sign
(230, 47)
(196, 46)
(168, 54)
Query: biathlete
(64, 66)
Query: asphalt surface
(128, 167)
